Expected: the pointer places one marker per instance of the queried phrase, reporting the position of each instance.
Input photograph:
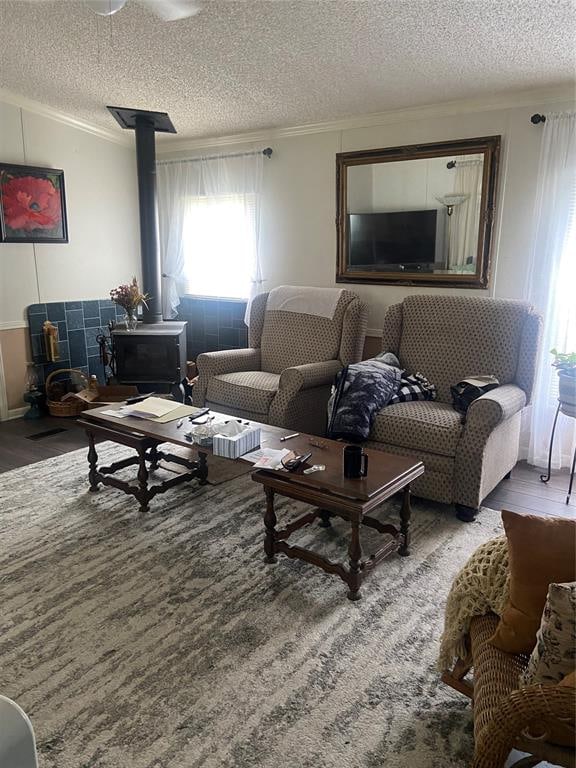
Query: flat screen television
(397, 237)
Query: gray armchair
(284, 378)
(448, 338)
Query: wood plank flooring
(523, 492)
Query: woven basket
(65, 407)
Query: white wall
(298, 235)
(102, 212)
(101, 201)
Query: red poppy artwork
(32, 205)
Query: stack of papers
(152, 408)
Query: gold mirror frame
(488, 146)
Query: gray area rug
(165, 641)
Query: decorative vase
(131, 320)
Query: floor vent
(47, 433)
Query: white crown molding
(37, 108)
(12, 325)
(168, 144)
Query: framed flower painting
(32, 205)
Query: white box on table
(238, 445)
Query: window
(219, 243)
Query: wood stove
(152, 354)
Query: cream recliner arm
(486, 419)
(297, 378)
(226, 361)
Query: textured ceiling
(240, 66)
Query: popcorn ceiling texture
(240, 66)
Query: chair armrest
(294, 380)
(309, 375)
(485, 413)
(493, 411)
(529, 713)
(225, 361)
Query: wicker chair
(506, 717)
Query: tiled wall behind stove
(213, 324)
(79, 323)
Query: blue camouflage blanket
(361, 390)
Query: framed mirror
(417, 215)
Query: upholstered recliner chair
(447, 339)
(299, 339)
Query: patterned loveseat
(284, 378)
(448, 338)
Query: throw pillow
(542, 551)
(555, 652)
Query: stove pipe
(145, 124)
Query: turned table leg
(93, 463)
(143, 497)
(202, 468)
(405, 513)
(154, 458)
(270, 526)
(355, 554)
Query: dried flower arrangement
(129, 297)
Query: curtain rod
(266, 152)
(454, 163)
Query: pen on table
(288, 437)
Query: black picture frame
(34, 198)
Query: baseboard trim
(16, 413)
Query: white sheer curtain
(176, 186)
(552, 285)
(464, 220)
(209, 209)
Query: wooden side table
(545, 478)
(330, 493)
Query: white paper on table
(116, 414)
(270, 458)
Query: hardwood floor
(26, 442)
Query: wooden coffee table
(145, 437)
(350, 499)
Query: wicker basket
(65, 407)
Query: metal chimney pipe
(148, 205)
(146, 124)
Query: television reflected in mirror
(421, 214)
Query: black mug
(355, 461)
